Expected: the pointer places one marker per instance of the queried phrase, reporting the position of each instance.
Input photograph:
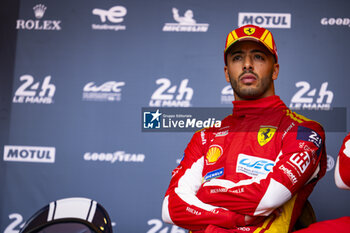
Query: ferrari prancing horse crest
(265, 134)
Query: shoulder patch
(309, 135)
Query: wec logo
(253, 166)
(171, 96)
(111, 86)
(266, 20)
(261, 164)
(108, 91)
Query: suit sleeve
(181, 206)
(342, 168)
(297, 164)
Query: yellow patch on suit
(265, 134)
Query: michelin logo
(185, 23)
(266, 20)
(35, 154)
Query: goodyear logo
(265, 134)
(213, 174)
(214, 153)
(36, 154)
(253, 166)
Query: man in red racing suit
(342, 180)
(342, 169)
(263, 158)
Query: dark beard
(252, 93)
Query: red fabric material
(261, 141)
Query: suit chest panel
(242, 154)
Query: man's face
(251, 70)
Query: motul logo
(36, 154)
(266, 20)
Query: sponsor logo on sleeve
(288, 129)
(301, 160)
(289, 174)
(204, 140)
(176, 170)
(213, 174)
(34, 154)
(253, 166)
(309, 135)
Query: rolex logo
(38, 23)
(39, 11)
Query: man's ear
(226, 74)
(276, 70)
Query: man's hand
(253, 220)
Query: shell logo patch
(249, 31)
(265, 134)
(214, 153)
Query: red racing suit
(342, 180)
(262, 157)
(342, 168)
